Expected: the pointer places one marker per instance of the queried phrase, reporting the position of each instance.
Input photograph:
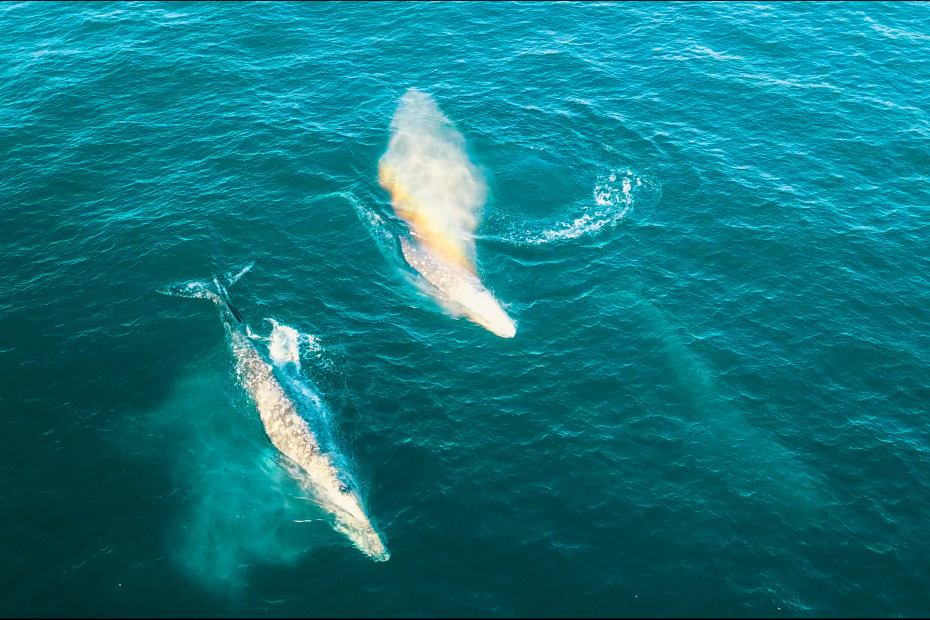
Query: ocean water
(709, 222)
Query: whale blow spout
(462, 291)
(439, 193)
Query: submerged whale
(295, 424)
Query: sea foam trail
(285, 342)
(613, 199)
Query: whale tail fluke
(206, 289)
(192, 288)
(233, 276)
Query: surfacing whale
(439, 193)
(295, 424)
(460, 289)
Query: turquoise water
(708, 221)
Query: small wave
(614, 197)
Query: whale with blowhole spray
(439, 193)
(293, 416)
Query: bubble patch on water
(614, 197)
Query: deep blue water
(710, 223)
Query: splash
(282, 346)
(434, 187)
(614, 197)
(284, 349)
(285, 344)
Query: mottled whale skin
(273, 392)
(460, 286)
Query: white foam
(285, 342)
(614, 197)
(282, 346)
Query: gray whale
(286, 418)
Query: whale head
(461, 288)
(342, 501)
(364, 537)
(479, 305)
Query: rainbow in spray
(439, 192)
